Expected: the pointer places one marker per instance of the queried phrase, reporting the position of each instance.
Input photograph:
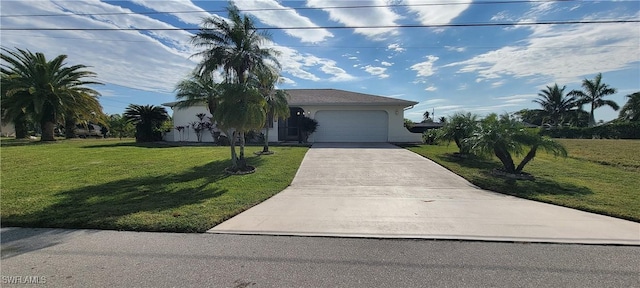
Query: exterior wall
(397, 131)
(186, 116)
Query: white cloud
(436, 14)
(456, 49)
(385, 63)
(131, 54)
(376, 71)
(498, 83)
(425, 69)
(176, 5)
(362, 17)
(431, 88)
(285, 80)
(353, 58)
(563, 54)
(395, 47)
(297, 64)
(284, 18)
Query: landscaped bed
(113, 184)
(600, 176)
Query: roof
(334, 97)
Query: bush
(431, 136)
(616, 130)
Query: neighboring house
(342, 116)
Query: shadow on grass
(23, 142)
(521, 188)
(103, 206)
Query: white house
(342, 116)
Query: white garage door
(351, 126)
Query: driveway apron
(382, 191)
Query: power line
(301, 8)
(343, 27)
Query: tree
(631, 110)
(233, 45)
(593, 93)
(120, 127)
(45, 91)
(198, 89)
(276, 104)
(241, 109)
(504, 136)
(459, 127)
(426, 118)
(442, 119)
(556, 107)
(148, 120)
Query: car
(89, 130)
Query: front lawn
(600, 176)
(113, 184)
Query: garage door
(351, 126)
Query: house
(342, 116)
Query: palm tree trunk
(20, 126)
(69, 131)
(232, 144)
(527, 158)
(47, 131)
(242, 162)
(505, 158)
(592, 119)
(265, 148)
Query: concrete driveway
(380, 190)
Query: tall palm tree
(45, 91)
(631, 110)
(555, 105)
(148, 120)
(276, 104)
(234, 46)
(593, 93)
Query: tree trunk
(505, 158)
(232, 144)
(592, 119)
(265, 148)
(69, 128)
(20, 125)
(47, 131)
(527, 158)
(242, 162)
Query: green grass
(599, 176)
(112, 184)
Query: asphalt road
(92, 258)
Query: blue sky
(446, 69)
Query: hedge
(626, 130)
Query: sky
(440, 61)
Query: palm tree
(276, 106)
(119, 126)
(241, 109)
(504, 136)
(196, 90)
(459, 127)
(45, 91)
(148, 120)
(631, 110)
(555, 105)
(593, 93)
(234, 46)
